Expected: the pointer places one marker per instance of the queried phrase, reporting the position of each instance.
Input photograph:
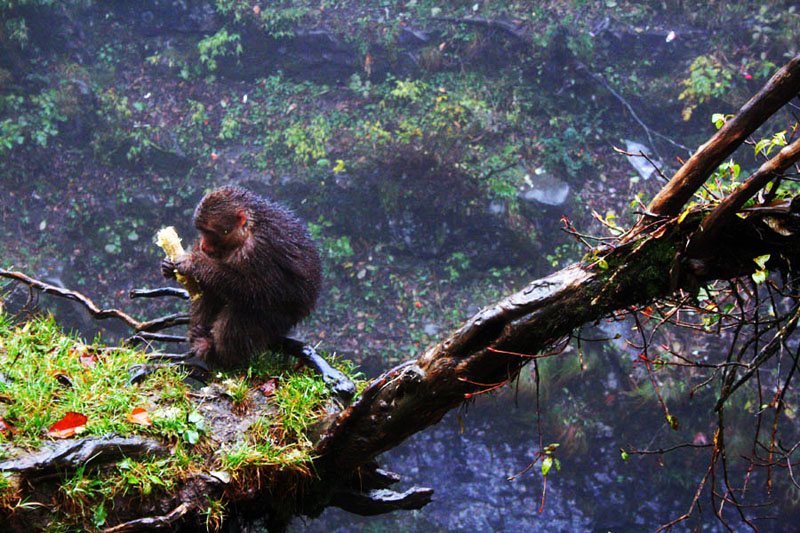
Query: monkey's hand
(181, 270)
(168, 268)
(182, 266)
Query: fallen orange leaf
(139, 416)
(6, 428)
(68, 426)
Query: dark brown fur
(259, 272)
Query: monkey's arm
(215, 276)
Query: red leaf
(268, 387)
(86, 355)
(139, 416)
(68, 426)
(88, 359)
(6, 428)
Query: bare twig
(648, 130)
(152, 522)
(96, 312)
(765, 353)
(161, 291)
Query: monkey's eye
(225, 232)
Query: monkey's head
(223, 217)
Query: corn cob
(167, 238)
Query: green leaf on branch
(672, 420)
(547, 464)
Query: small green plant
(81, 489)
(708, 78)
(566, 148)
(766, 145)
(309, 141)
(409, 90)
(197, 113)
(215, 514)
(16, 31)
(218, 45)
(145, 476)
(196, 426)
(299, 395)
(29, 120)
(457, 264)
(279, 21)
(236, 389)
(362, 87)
(230, 127)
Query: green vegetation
(217, 45)
(55, 386)
(31, 119)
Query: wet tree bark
(651, 262)
(494, 345)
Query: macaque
(259, 272)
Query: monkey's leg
(191, 361)
(195, 365)
(335, 380)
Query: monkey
(260, 274)
(258, 270)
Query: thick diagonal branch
(487, 349)
(416, 395)
(701, 244)
(779, 90)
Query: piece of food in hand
(167, 238)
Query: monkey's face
(222, 218)
(221, 237)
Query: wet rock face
(153, 17)
(426, 211)
(316, 55)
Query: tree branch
(779, 90)
(100, 314)
(701, 243)
(418, 393)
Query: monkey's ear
(241, 218)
